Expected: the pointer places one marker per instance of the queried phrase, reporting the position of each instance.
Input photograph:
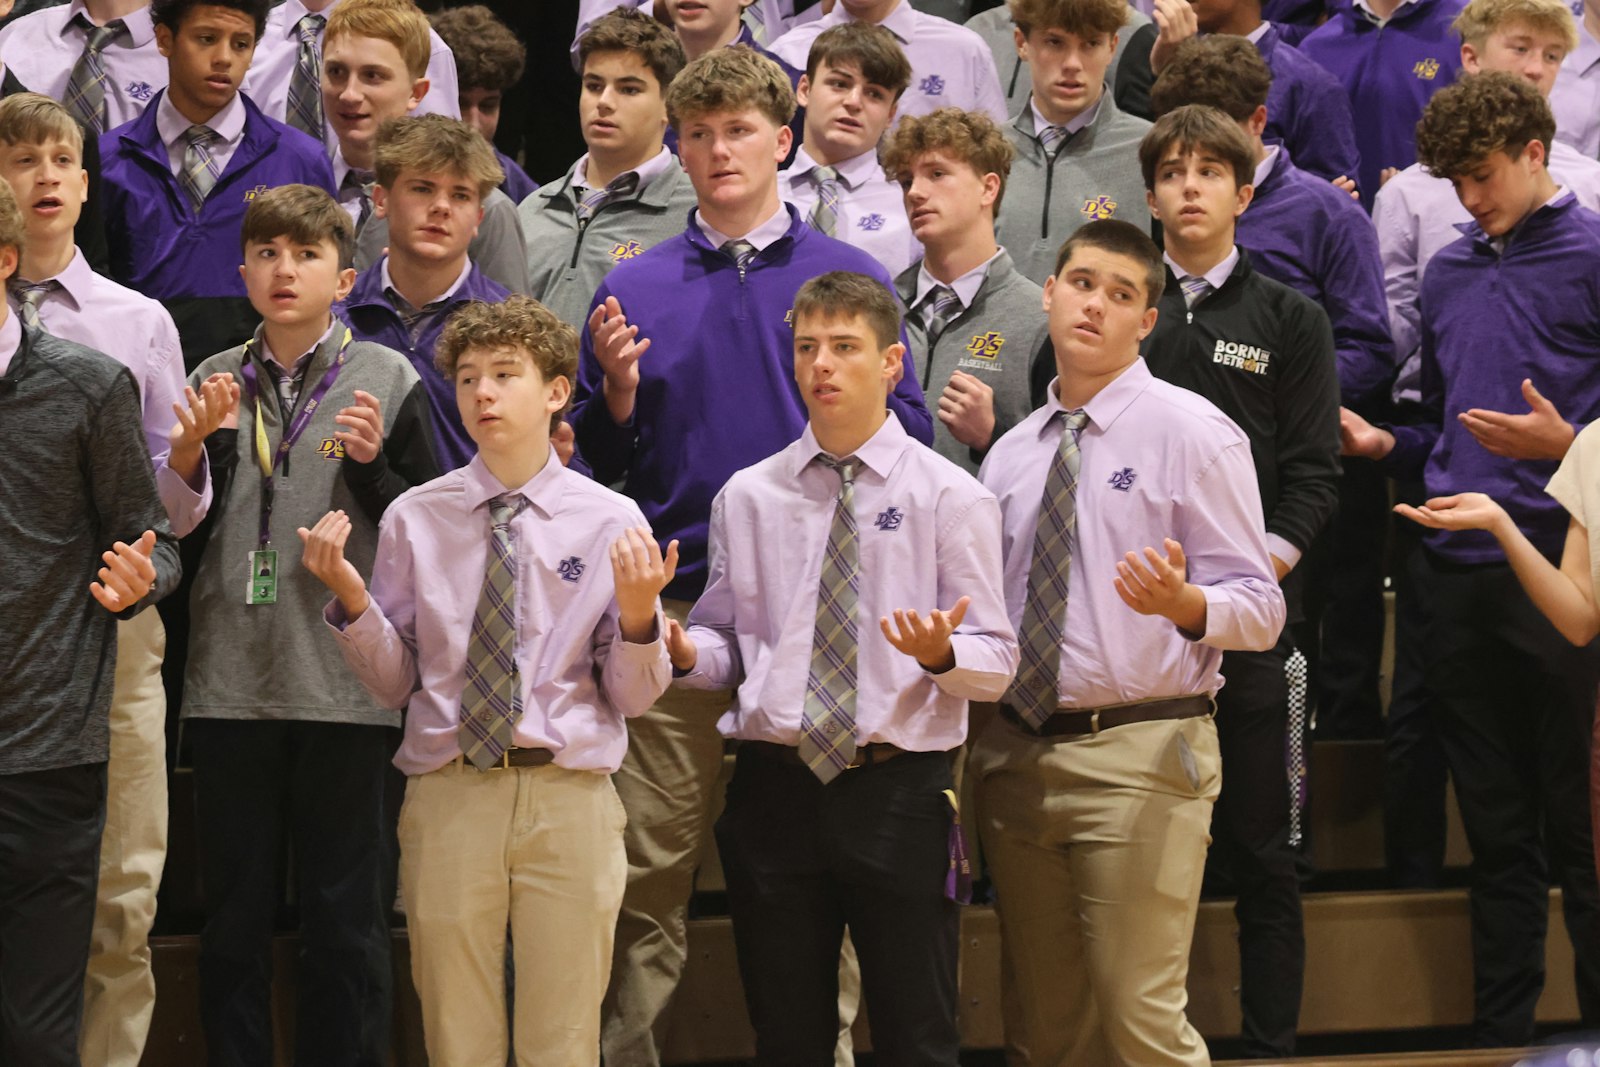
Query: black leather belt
(519, 757)
(866, 755)
(1084, 722)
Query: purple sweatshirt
(1490, 320)
(716, 388)
(1390, 73)
(1307, 110)
(1308, 235)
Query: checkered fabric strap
(305, 84)
(825, 214)
(618, 188)
(490, 702)
(86, 85)
(1195, 289)
(29, 296)
(1034, 693)
(938, 309)
(200, 168)
(828, 732)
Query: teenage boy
(710, 305)
(817, 836)
(55, 290)
(180, 176)
(76, 477)
(99, 57)
(854, 79)
(1076, 150)
(1312, 237)
(282, 735)
(975, 322)
(285, 78)
(999, 33)
(507, 710)
(432, 173)
(626, 193)
(1575, 100)
(374, 68)
(706, 24)
(1390, 56)
(1514, 702)
(490, 60)
(950, 65)
(1111, 714)
(1264, 354)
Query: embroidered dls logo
(625, 250)
(251, 194)
(140, 91)
(1426, 69)
(889, 519)
(1122, 480)
(986, 345)
(871, 223)
(331, 449)
(932, 85)
(571, 569)
(1100, 207)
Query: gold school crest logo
(331, 449)
(251, 194)
(986, 345)
(1099, 207)
(625, 250)
(1426, 69)
(788, 318)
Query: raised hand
(1176, 23)
(1463, 511)
(926, 640)
(1540, 434)
(361, 428)
(214, 406)
(640, 572)
(1157, 585)
(127, 575)
(324, 557)
(680, 649)
(617, 351)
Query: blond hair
(731, 79)
(400, 22)
(31, 118)
(435, 144)
(1482, 17)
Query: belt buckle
(505, 761)
(1094, 722)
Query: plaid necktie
(490, 703)
(415, 319)
(305, 84)
(1044, 613)
(29, 296)
(828, 733)
(200, 168)
(742, 252)
(825, 215)
(941, 305)
(1195, 289)
(358, 183)
(1052, 138)
(86, 86)
(592, 201)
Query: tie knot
(309, 27)
(1076, 420)
(101, 36)
(741, 250)
(198, 136)
(1194, 288)
(32, 293)
(845, 468)
(824, 174)
(1051, 137)
(943, 299)
(504, 508)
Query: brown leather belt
(866, 755)
(519, 757)
(1085, 722)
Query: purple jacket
(1308, 235)
(1390, 75)
(716, 388)
(517, 186)
(1307, 111)
(190, 261)
(373, 318)
(1490, 320)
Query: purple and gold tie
(490, 703)
(828, 732)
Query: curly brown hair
(970, 136)
(1218, 70)
(1081, 18)
(1192, 128)
(488, 55)
(731, 79)
(520, 323)
(1466, 123)
(630, 30)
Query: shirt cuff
(1283, 550)
(185, 506)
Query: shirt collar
(902, 21)
(767, 233)
(647, 171)
(1364, 9)
(853, 172)
(455, 287)
(1217, 275)
(1265, 167)
(227, 124)
(1587, 54)
(542, 491)
(141, 29)
(1109, 403)
(966, 287)
(1073, 125)
(75, 279)
(1562, 194)
(295, 10)
(879, 454)
(299, 365)
(1254, 36)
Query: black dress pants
(869, 850)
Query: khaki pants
(666, 781)
(1097, 847)
(541, 846)
(119, 987)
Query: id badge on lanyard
(263, 583)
